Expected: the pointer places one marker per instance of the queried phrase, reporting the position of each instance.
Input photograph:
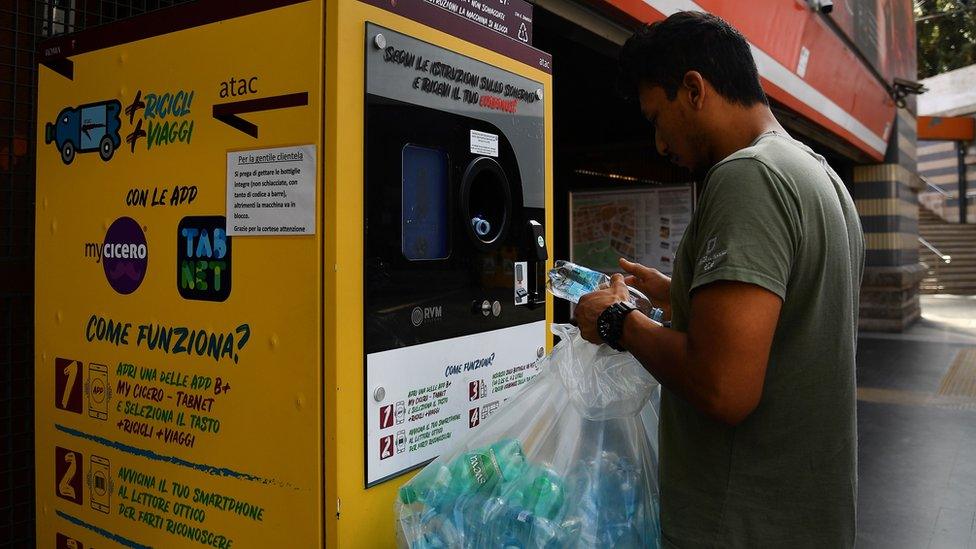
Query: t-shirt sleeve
(748, 228)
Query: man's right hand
(651, 282)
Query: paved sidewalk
(917, 430)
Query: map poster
(642, 225)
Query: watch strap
(610, 323)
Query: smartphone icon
(101, 494)
(98, 391)
(401, 442)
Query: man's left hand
(591, 305)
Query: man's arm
(719, 366)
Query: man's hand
(656, 286)
(591, 305)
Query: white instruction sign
(271, 191)
(484, 143)
(436, 393)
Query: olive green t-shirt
(775, 215)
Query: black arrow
(86, 127)
(227, 112)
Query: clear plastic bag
(569, 461)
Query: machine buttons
(496, 308)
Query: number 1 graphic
(71, 370)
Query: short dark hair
(661, 53)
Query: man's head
(691, 73)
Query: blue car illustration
(91, 127)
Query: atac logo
(125, 255)
(424, 315)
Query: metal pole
(963, 199)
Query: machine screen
(424, 217)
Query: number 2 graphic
(386, 447)
(64, 487)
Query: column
(886, 196)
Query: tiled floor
(917, 450)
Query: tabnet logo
(125, 255)
(203, 258)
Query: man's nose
(662, 147)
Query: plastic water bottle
(469, 515)
(623, 522)
(517, 527)
(438, 532)
(510, 458)
(473, 471)
(571, 282)
(428, 487)
(482, 469)
(582, 515)
(605, 506)
(544, 492)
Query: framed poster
(641, 224)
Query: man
(757, 435)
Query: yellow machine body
(201, 381)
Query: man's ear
(693, 86)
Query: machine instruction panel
(177, 366)
(455, 206)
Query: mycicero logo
(125, 255)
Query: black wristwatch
(610, 324)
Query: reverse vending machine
(308, 256)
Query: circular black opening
(486, 202)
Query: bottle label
(484, 466)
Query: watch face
(608, 325)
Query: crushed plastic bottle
(538, 490)
(571, 282)
(483, 468)
(493, 497)
(517, 527)
(428, 486)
